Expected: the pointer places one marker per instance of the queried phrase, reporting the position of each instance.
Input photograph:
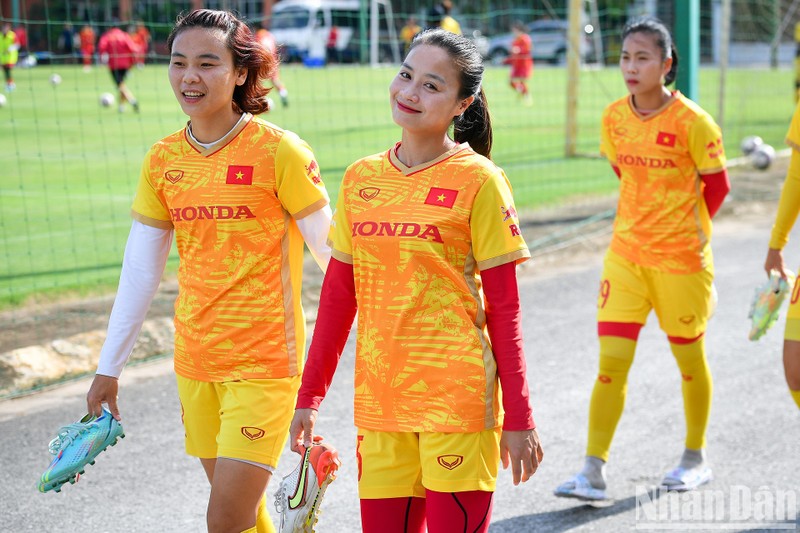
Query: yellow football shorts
(247, 419)
(792, 331)
(402, 464)
(683, 302)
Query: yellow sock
(608, 395)
(263, 520)
(697, 387)
(251, 530)
(796, 396)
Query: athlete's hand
(301, 432)
(104, 389)
(774, 262)
(523, 451)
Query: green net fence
(70, 164)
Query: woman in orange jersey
(788, 209)
(668, 155)
(241, 196)
(425, 243)
(87, 39)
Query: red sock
(459, 511)
(393, 515)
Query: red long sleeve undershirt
(337, 309)
(717, 186)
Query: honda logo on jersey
(397, 229)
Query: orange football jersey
(662, 220)
(233, 206)
(417, 238)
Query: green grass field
(69, 167)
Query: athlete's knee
(690, 354)
(684, 341)
(227, 519)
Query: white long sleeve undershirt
(314, 229)
(142, 266)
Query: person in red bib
(668, 155)
(521, 61)
(425, 241)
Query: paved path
(146, 483)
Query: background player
(521, 61)
(9, 53)
(240, 195)
(408, 32)
(413, 228)
(87, 39)
(141, 38)
(119, 52)
(669, 157)
(788, 209)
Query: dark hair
(662, 37)
(474, 126)
(247, 53)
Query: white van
(302, 28)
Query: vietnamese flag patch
(239, 175)
(666, 139)
(441, 197)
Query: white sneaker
(300, 493)
(683, 479)
(579, 487)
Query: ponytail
(673, 71)
(474, 126)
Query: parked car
(549, 39)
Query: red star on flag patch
(239, 175)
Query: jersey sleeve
(494, 225)
(788, 205)
(148, 207)
(705, 145)
(607, 148)
(340, 239)
(298, 181)
(793, 135)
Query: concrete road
(147, 484)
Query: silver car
(549, 39)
